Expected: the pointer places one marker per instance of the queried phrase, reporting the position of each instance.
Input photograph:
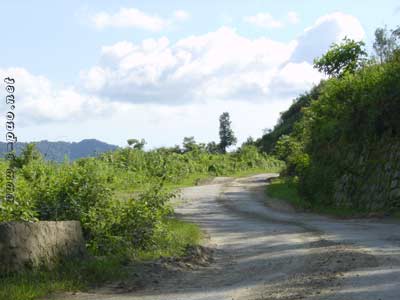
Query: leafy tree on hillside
(288, 119)
(189, 144)
(385, 44)
(213, 148)
(168, 150)
(249, 142)
(225, 132)
(285, 147)
(136, 144)
(28, 154)
(342, 58)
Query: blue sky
(162, 70)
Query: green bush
(117, 227)
(351, 117)
(87, 189)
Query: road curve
(268, 253)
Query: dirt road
(274, 253)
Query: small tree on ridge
(226, 134)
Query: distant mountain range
(58, 150)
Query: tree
(189, 144)
(342, 58)
(385, 44)
(285, 147)
(266, 131)
(167, 150)
(213, 148)
(226, 134)
(290, 150)
(136, 144)
(249, 142)
(28, 154)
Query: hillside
(57, 151)
(341, 141)
(288, 119)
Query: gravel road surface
(263, 249)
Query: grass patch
(70, 276)
(80, 275)
(193, 179)
(178, 234)
(286, 189)
(255, 171)
(341, 212)
(188, 181)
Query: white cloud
(135, 18)
(294, 78)
(37, 100)
(194, 68)
(163, 125)
(76, 116)
(220, 65)
(159, 86)
(263, 20)
(328, 29)
(293, 17)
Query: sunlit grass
(195, 179)
(70, 276)
(256, 171)
(191, 180)
(287, 189)
(178, 235)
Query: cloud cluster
(218, 65)
(135, 18)
(38, 101)
(327, 29)
(221, 67)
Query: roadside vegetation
(70, 276)
(287, 189)
(339, 125)
(122, 199)
(80, 275)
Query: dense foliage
(342, 58)
(288, 119)
(349, 116)
(90, 189)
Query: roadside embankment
(26, 245)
